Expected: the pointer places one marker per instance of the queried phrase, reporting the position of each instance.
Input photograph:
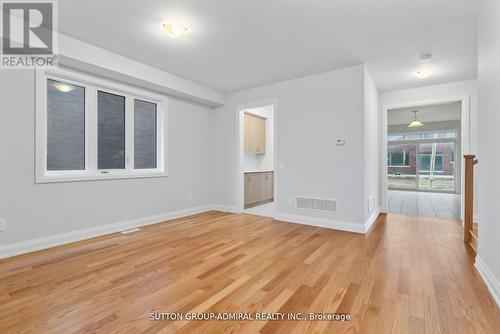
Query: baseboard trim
(320, 222)
(37, 244)
(489, 279)
(371, 220)
(225, 208)
(33, 245)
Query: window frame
(391, 137)
(389, 160)
(92, 84)
(438, 155)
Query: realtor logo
(28, 34)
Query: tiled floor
(266, 210)
(425, 204)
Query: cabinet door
(269, 185)
(260, 135)
(249, 193)
(262, 191)
(247, 134)
(259, 187)
(254, 134)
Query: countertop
(258, 171)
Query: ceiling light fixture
(415, 123)
(63, 87)
(175, 30)
(425, 58)
(425, 71)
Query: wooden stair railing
(470, 232)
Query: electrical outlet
(3, 225)
(371, 202)
(189, 197)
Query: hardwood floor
(408, 275)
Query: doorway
(423, 146)
(256, 152)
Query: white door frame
(240, 191)
(465, 139)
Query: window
(65, 126)
(144, 134)
(396, 137)
(399, 159)
(425, 162)
(110, 131)
(90, 128)
(423, 135)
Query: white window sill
(55, 177)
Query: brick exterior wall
(443, 149)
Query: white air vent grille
(316, 204)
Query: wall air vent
(316, 204)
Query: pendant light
(415, 123)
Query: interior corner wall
(371, 146)
(39, 210)
(489, 137)
(312, 112)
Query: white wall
(488, 260)
(371, 137)
(38, 210)
(433, 113)
(92, 59)
(424, 95)
(311, 113)
(262, 162)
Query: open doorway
(256, 188)
(424, 165)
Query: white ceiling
(237, 44)
(431, 113)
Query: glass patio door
(422, 161)
(436, 166)
(402, 166)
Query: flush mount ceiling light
(426, 71)
(175, 30)
(63, 87)
(415, 123)
(425, 58)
